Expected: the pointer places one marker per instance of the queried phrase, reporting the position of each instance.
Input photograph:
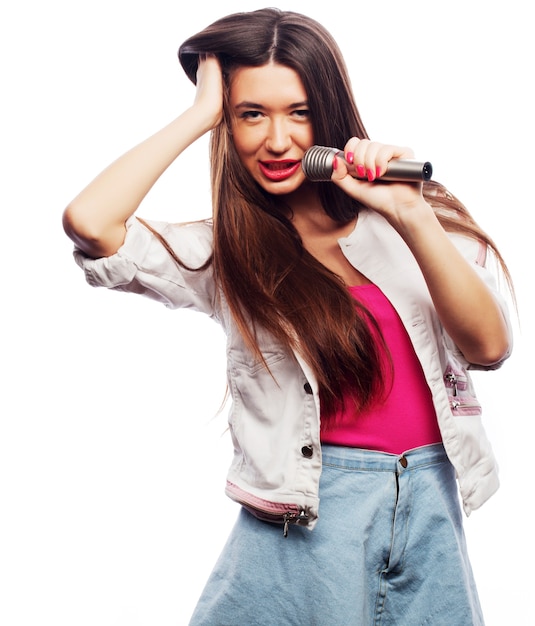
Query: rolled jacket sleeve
(143, 265)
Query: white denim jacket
(274, 416)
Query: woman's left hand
(369, 160)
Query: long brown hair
(268, 278)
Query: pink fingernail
(370, 175)
(335, 162)
(377, 172)
(360, 171)
(350, 157)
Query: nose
(278, 139)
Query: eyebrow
(246, 104)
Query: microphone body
(317, 165)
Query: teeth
(279, 166)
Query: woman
(359, 302)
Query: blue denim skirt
(388, 550)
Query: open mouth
(279, 170)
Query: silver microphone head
(317, 163)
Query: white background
(112, 455)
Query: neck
(309, 217)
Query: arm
(464, 304)
(95, 219)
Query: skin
(271, 134)
(271, 130)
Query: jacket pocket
(461, 398)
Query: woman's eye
(251, 115)
(302, 113)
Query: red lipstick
(279, 170)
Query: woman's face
(271, 125)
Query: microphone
(317, 165)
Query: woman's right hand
(209, 95)
(95, 219)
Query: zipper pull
(290, 518)
(452, 379)
(286, 517)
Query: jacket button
(307, 451)
(307, 387)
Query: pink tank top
(407, 418)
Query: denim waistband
(372, 460)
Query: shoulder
(474, 250)
(192, 242)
